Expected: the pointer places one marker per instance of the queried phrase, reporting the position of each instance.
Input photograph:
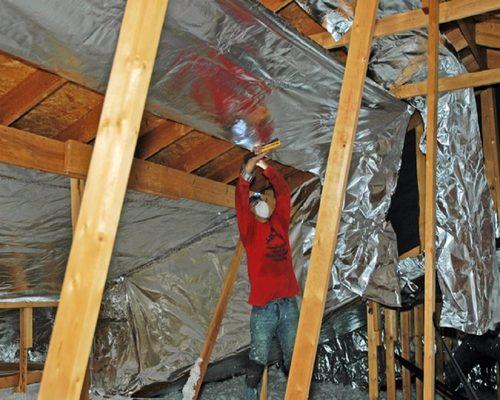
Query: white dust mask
(262, 209)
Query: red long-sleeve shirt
(269, 259)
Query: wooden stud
(220, 309)
(439, 351)
(405, 352)
(391, 332)
(491, 144)
(449, 11)
(472, 79)
(160, 137)
(430, 201)
(72, 159)
(332, 198)
(25, 343)
(418, 326)
(373, 331)
(102, 200)
(27, 94)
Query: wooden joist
(72, 159)
(332, 199)
(27, 94)
(449, 11)
(28, 304)
(488, 33)
(160, 137)
(275, 5)
(220, 310)
(84, 129)
(472, 79)
(467, 28)
(430, 199)
(11, 380)
(102, 201)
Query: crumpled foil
(465, 214)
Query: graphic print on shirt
(276, 247)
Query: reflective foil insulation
(232, 69)
(466, 222)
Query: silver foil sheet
(465, 214)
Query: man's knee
(254, 374)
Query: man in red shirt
(263, 223)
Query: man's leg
(287, 328)
(263, 323)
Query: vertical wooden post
(25, 343)
(418, 324)
(263, 390)
(405, 352)
(491, 146)
(439, 351)
(77, 187)
(103, 200)
(391, 333)
(220, 309)
(373, 327)
(430, 199)
(332, 199)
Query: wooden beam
(225, 168)
(491, 144)
(493, 58)
(263, 389)
(449, 11)
(102, 201)
(405, 352)
(72, 159)
(332, 199)
(430, 199)
(418, 329)
(160, 137)
(468, 30)
(11, 380)
(472, 79)
(28, 304)
(25, 343)
(220, 310)
(373, 332)
(84, 129)
(391, 332)
(27, 94)
(488, 33)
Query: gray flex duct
(233, 69)
(466, 219)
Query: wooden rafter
(488, 33)
(468, 31)
(472, 79)
(84, 129)
(225, 168)
(160, 137)
(449, 11)
(102, 201)
(192, 151)
(332, 199)
(27, 94)
(275, 5)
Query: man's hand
(257, 160)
